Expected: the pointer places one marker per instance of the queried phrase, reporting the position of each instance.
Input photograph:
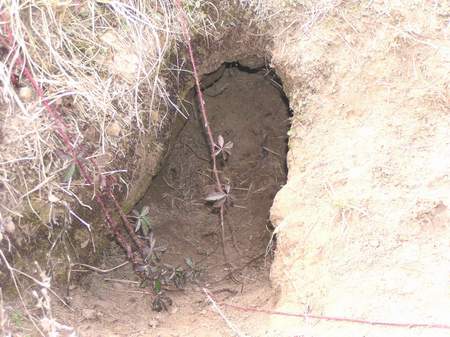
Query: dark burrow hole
(249, 108)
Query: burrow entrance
(248, 108)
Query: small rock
(9, 225)
(26, 94)
(89, 314)
(173, 310)
(114, 129)
(153, 323)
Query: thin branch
(221, 313)
(336, 318)
(206, 125)
(101, 271)
(200, 97)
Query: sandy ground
(363, 221)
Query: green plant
(220, 199)
(16, 318)
(194, 271)
(142, 220)
(223, 148)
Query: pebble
(153, 323)
(89, 314)
(173, 310)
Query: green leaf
(146, 225)
(157, 286)
(142, 220)
(189, 262)
(71, 172)
(214, 196)
(145, 210)
(138, 225)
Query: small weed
(16, 318)
(194, 271)
(143, 220)
(160, 275)
(220, 198)
(222, 148)
(161, 302)
(71, 173)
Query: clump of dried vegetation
(100, 64)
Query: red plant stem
(333, 318)
(208, 129)
(65, 137)
(129, 226)
(200, 98)
(222, 226)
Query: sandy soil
(363, 221)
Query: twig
(195, 154)
(222, 233)
(2, 315)
(171, 186)
(234, 270)
(335, 318)
(233, 238)
(98, 270)
(220, 312)
(206, 125)
(271, 151)
(121, 281)
(16, 285)
(200, 97)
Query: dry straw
(103, 65)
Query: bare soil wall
(363, 221)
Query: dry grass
(41, 317)
(105, 66)
(99, 76)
